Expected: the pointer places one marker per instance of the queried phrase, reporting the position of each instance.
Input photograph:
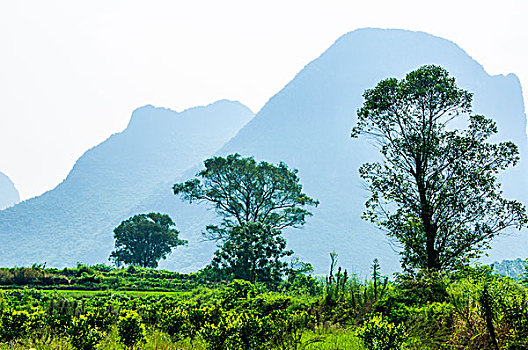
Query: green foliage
(299, 279)
(130, 329)
(14, 324)
(255, 201)
(237, 292)
(289, 328)
(378, 334)
(144, 239)
(416, 311)
(490, 312)
(252, 252)
(244, 191)
(175, 322)
(237, 330)
(410, 292)
(436, 191)
(93, 278)
(83, 334)
(431, 323)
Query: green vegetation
(244, 191)
(145, 239)
(253, 252)
(448, 205)
(255, 201)
(101, 278)
(436, 191)
(472, 308)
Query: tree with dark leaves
(436, 190)
(244, 191)
(144, 239)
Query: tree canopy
(253, 252)
(144, 239)
(436, 190)
(244, 191)
(255, 201)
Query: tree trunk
(432, 262)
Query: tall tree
(244, 191)
(255, 201)
(144, 239)
(436, 190)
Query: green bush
(489, 311)
(175, 323)
(14, 324)
(289, 327)
(237, 330)
(130, 329)
(237, 292)
(431, 323)
(378, 334)
(83, 334)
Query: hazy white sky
(72, 72)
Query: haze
(72, 72)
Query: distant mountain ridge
(9, 195)
(307, 125)
(74, 221)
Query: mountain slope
(8, 193)
(308, 123)
(74, 221)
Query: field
(471, 309)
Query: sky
(72, 72)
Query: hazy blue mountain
(8, 193)
(74, 221)
(307, 124)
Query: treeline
(101, 277)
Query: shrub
(432, 324)
(288, 328)
(174, 323)
(83, 335)
(13, 324)
(237, 292)
(378, 334)
(130, 329)
(237, 330)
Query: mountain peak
(149, 115)
(8, 193)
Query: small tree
(436, 191)
(253, 252)
(144, 239)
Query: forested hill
(74, 221)
(8, 193)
